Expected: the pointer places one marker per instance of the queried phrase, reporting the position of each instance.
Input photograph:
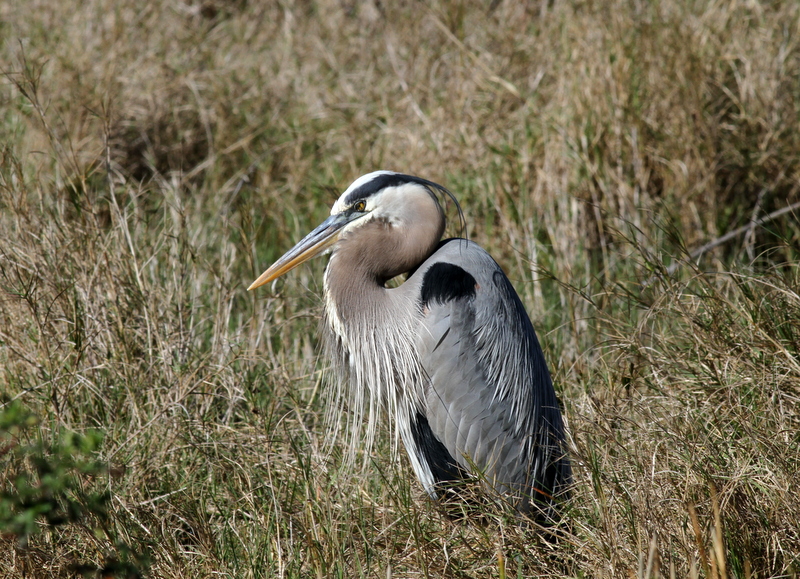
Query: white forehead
(339, 206)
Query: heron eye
(360, 206)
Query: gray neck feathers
(370, 341)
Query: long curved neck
(354, 296)
(369, 339)
(371, 328)
(366, 258)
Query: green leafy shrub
(51, 481)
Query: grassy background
(158, 420)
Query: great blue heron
(450, 353)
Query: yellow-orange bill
(310, 246)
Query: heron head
(399, 200)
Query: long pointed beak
(310, 246)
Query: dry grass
(156, 156)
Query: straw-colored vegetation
(158, 420)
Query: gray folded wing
(489, 400)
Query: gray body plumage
(450, 354)
(489, 397)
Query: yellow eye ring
(360, 206)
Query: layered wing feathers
(489, 399)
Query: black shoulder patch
(442, 464)
(444, 282)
